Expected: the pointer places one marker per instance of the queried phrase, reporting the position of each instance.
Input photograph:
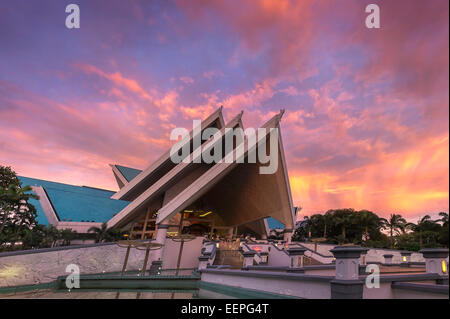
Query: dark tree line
(341, 226)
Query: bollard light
(435, 262)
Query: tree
(302, 229)
(444, 219)
(370, 222)
(427, 228)
(16, 214)
(100, 232)
(103, 233)
(343, 218)
(51, 236)
(34, 238)
(420, 226)
(319, 224)
(395, 224)
(67, 235)
(444, 231)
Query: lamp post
(181, 239)
(146, 245)
(406, 258)
(138, 244)
(435, 260)
(346, 284)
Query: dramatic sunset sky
(366, 122)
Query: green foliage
(17, 215)
(408, 242)
(340, 226)
(105, 234)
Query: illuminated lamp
(205, 214)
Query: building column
(362, 260)
(161, 233)
(287, 234)
(264, 257)
(230, 233)
(346, 284)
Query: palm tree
(369, 220)
(422, 225)
(396, 224)
(100, 232)
(325, 219)
(444, 218)
(343, 218)
(304, 225)
(104, 233)
(52, 235)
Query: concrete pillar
(406, 258)
(346, 284)
(296, 257)
(230, 233)
(287, 234)
(362, 260)
(435, 260)
(203, 262)
(160, 239)
(388, 258)
(248, 258)
(264, 257)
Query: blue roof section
(128, 172)
(78, 203)
(274, 224)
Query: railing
(315, 255)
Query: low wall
(302, 285)
(189, 257)
(414, 286)
(373, 255)
(376, 255)
(298, 285)
(45, 265)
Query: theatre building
(215, 200)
